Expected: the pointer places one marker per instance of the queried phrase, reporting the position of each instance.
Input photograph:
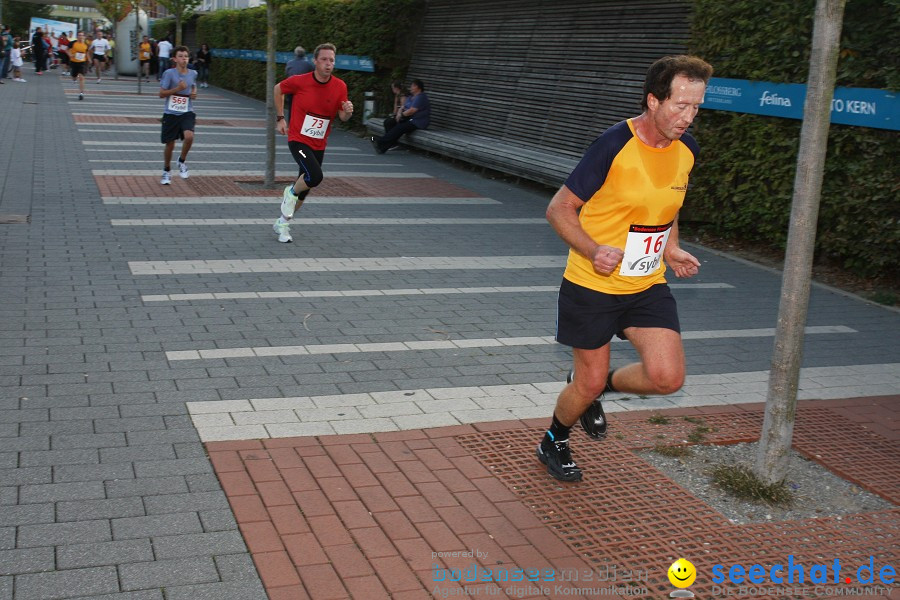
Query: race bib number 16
(643, 249)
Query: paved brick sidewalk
(376, 516)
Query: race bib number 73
(643, 249)
(315, 127)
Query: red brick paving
(360, 516)
(248, 185)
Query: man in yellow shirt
(618, 213)
(145, 53)
(78, 61)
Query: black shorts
(145, 62)
(588, 319)
(174, 126)
(77, 68)
(100, 57)
(64, 58)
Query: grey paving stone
(140, 595)
(7, 538)
(67, 584)
(230, 590)
(60, 534)
(6, 588)
(103, 553)
(26, 475)
(164, 468)
(52, 492)
(129, 424)
(26, 514)
(101, 472)
(59, 457)
(236, 567)
(192, 502)
(106, 508)
(146, 487)
(56, 428)
(96, 440)
(180, 571)
(218, 520)
(139, 438)
(156, 525)
(137, 453)
(28, 560)
(200, 544)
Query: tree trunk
(177, 31)
(781, 404)
(271, 34)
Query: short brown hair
(181, 49)
(661, 73)
(325, 46)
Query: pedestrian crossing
(485, 280)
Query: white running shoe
(166, 178)
(288, 203)
(284, 231)
(183, 170)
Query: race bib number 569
(643, 249)
(178, 104)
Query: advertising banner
(347, 62)
(54, 27)
(863, 107)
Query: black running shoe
(593, 420)
(558, 459)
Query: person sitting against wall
(400, 95)
(415, 114)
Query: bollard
(368, 106)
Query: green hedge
(743, 185)
(381, 29)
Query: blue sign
(347, 62)
(863, 107)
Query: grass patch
(699, 433)
(743, 483)
(672, 451)
(695, 420)
(620, 436)
(658, 419)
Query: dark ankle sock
(181, 160)
(557, 432)
(609, 385)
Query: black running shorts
(100, 57)
(588, 319)
(77, 68)
(174, 126)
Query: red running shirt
(314, 108)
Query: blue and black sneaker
(558, 459)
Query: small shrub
(672, 451)
(658, 419)
(743, 483)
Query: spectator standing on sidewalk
(16, 60)
(6, 44)
(163, 53)
(37, 51)
(203, 61)
(299, 65)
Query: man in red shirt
(318, 98)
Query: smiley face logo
(682, 573)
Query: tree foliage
(18, 15)
(180, 10)
(743, 183)
(114, 10)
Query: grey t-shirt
(175, 104)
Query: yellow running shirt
(632, 194)
(78, 52)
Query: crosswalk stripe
(374, 200)
(405, 346)
(322, 221)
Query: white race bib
(79, 56)
(178, 104)
(643, 249)
(315, 127)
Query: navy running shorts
(174, 126)
(587, 319)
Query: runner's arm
(278, 99)
(562, 213)
(682, 262)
